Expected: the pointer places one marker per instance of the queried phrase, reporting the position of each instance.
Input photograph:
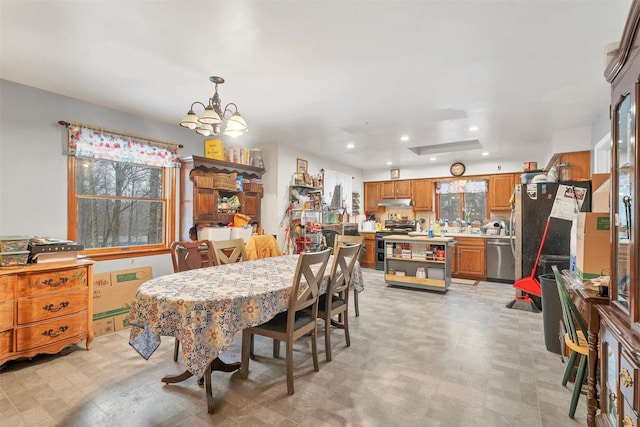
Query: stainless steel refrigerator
(533, 204)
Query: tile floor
(416, 359)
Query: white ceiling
(320, 74)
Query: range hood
(396, 203)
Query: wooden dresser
(44, 308)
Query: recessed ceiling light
(485, 153)
(473, 128)
(404, 138)
(433, 158)
(389, 163)
(350, 146)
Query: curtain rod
(168, 144)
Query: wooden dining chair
(335, 301)
(353, 239)
(229, 251)
(575, 338)
(296, 322)
(189, 256)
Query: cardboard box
(592, 253)
(601, 197)
(112, 296)
(214, 149)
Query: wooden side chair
(335, 302)
(296, 322)
(189, 256)
(353, 239)
(229, 251)
(575, 339)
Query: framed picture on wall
(395, 173)
(302, 166)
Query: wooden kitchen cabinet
(45, 308)
(396, 189)
(469, 258)
(369, 260)
(422, 195)
(580, 163)
(500, 191)
(199, 205)
(372, 195)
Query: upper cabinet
(372, 195)
(396, 189)
(422, 195)
(500, 191)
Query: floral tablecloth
(205, 308)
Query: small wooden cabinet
(372, 195)
(396, 189)
(199, 205)
(500, 192)
(45, 307)
(469, 258)
(422, 195)
(369, 260)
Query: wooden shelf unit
(410, 265)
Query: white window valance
(462, 186)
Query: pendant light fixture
(214, 118)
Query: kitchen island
(418, 261)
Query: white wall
(479, 167)
(33, 165)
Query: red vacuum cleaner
(529, 285)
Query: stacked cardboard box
(113, 293)
(592, 252)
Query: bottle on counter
(436, 228)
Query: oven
(391, 227)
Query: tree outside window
(464, 200)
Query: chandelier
(214, 117)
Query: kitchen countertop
(472, 235)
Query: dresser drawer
(50, 306)
(629, 380)
(6, 287)
(628, 417)
(6, 315)
(44, 333)
(52, 281)
(6, 342)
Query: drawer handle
(612, 396)
(50, 333)
(51, 307)
(627, 422)
(52, 284)
(627, 381)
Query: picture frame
(302, 166)
(395, 173)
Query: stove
(390, 227)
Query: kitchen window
(121, 201)
(464, 200)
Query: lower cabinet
(469, 258)
(44, 308)
(369, 260)
(619, 372)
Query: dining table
(205, 308)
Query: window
(464, 200)
(119, 207)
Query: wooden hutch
(199, 205)
(619, 391)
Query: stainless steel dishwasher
(501, 264)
